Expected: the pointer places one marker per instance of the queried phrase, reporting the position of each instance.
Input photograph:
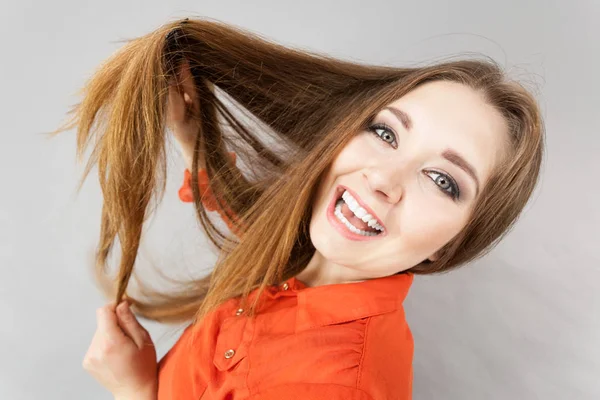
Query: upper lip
(363, 205)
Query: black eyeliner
(382, 125)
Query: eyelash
(454, 194)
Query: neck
(320, 271)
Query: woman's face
(410, 171)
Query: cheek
(425, 229)
(356, 154)
(348, 161)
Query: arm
(150, 394)
(182, 105)
(183, 110)
(187, 151)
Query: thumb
(188, 89)
(131, 326)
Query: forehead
(452, 115)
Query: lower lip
(340, 227)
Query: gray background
(521, 323)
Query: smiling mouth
(350, 213)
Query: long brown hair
(309, 104)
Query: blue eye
(387, 135)
(446, 184)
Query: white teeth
(340, 216)
(360, 212)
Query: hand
(183, 107)
(122, 356)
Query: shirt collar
(336, 303)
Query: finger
(188, 87)
(182, 96)
(186, 81)
(131, 326)
(107, 321)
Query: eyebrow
(448, 154)
(402, 116)
(461, 163)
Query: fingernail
(123, 306)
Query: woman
(385, 173)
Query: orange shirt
(208, 199)
(342, 341)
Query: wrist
(187, 151)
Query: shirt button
(229, 353)
(239, 311)
(285, 286)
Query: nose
(384, 185)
